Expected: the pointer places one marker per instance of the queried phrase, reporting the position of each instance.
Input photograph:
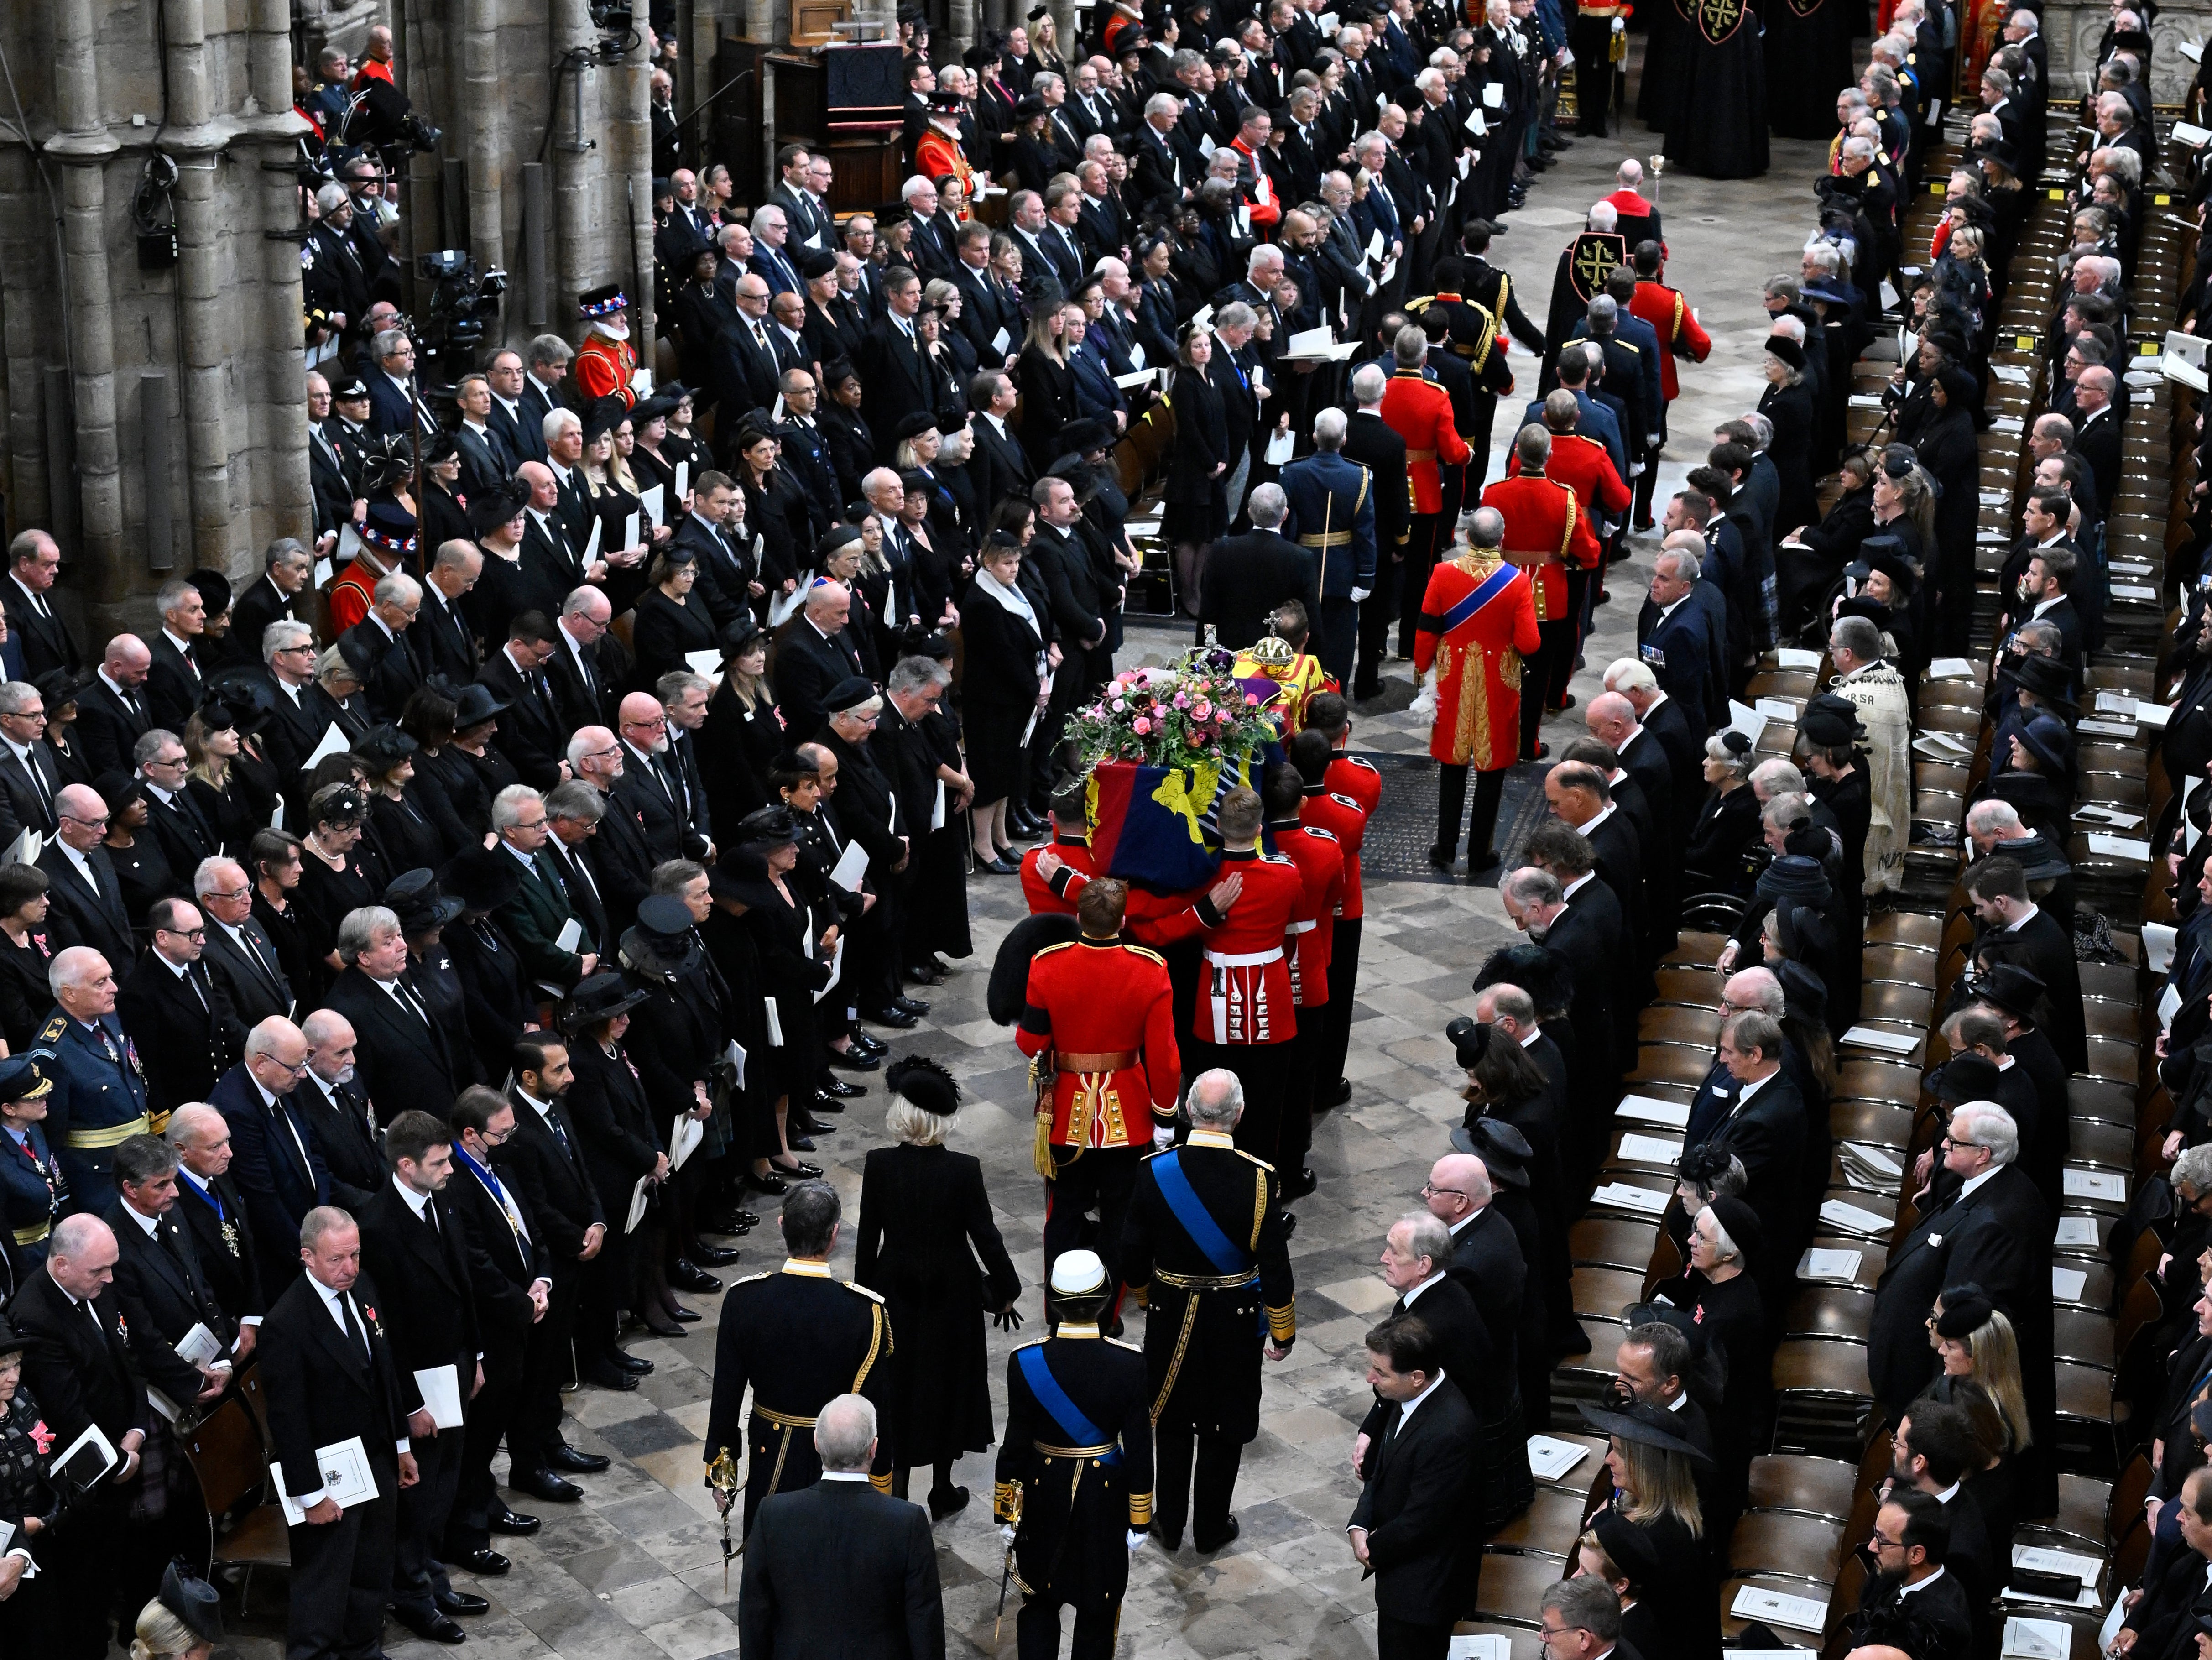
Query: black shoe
(512, 1522)
(799, 1169)
(1443, 858)
(1290, 1224)
(798, 1143)
(771, 1185)
(913, 1006)
(1489, 861)
(1299, 1183)
(461, 1601)
(1170, 1538)
(687, 1275)
(608, 1376)
(1202, 1544)
(635, 1366)
(838, 1090)
(710, 1256)
(662, 1326)
(486, 1564)
(1342, 1093)
(431, 1627)
(947, 1504)
(940, 968)
(1001, 866)
(854, 1060)
(890, 1015)
(541, 1484)
(823, 1101)
(1366, 691)
(928, 976)
(683, 1316)
(1538, 753)
(729, 1220)
(566, 1457)
(868, 1043)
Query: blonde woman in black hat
(234, 786)
(1979, 1352)
(1655, 1490)
(183, 1622)
(928, 1244)
(30, 1505)
(743, 733)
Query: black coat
(402, 1059)
(279, 1188)
(506, 1263)
(807, 666)
(530, 733)
(1413, 1505)
(82, 917)
(223, 1243)
(428, 1312)
(187, 1025)
(106, 727)
(80, 1375)
(26, 805)
(163, 1295)
(1246, 577)
(344, 1136)
(553, 1182)
(320, 1387)
(837, 1568)
(925, 1222)
(48, 643)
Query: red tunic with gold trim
(937, 154)
(1343, 816)
(1478, 621)
(1545, 530)
(1313, 928)
(1669, 315)
(1420, 411)
(1057, 896)
(1105, 1012)
(1581, 465)
(603, 367)
(352, 594)
(1245, 996)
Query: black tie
(553, 1123)
(353, 1329)
(1397, 1417)
(197, 992)
(430, 1215)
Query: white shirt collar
(1948, 1493)
(2025, 918)
(1534, 1033)
(1604, 813)
(844, 1475)
(1411, 1294)
(175, 639)
(146, 1223)
(1405, 1409)
(1666, 611)
(1745, 1092)
(1570, 889)
(1970, 1183)
(417, 1203)
(1911, 1586)
(2042, 606)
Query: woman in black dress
(1003, 686)
(475, 722)
(405, 823)
(231, 781)
(795, 945)
(1804, 577)
(447, 784)
(445, 510)
(1715, 858)
(1788, 405)
(1980, 1356)
(1047, 385)
(425, 912)
(1946, 450)
(59, 688)
(669, 622)
(30, 1504)
(1196, 511)
(27, 950)
(1655, 1491)
(336, 874)
(142, 870)
(852, 445)
(924, 1221)
(776, 506)
(1719, 1299)
(622, 1144)
(1156, 322)
(274, 862)
(744, 733)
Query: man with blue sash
(1204, 1241)
(1074, 1479)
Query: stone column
(281, 496)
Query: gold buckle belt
(1335, 538)
(782, 1420)
(1116, 1061)
(1526, 558)
(114, 1136)
(35, 1235)
(1074, 1452)
(1420, 455)
(1206, 1281)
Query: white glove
(1163, 1140)
(1136, 1538)
(1006, 1532)
(1358, 594)
(1425, 695)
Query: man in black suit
(1912, 1545)
(552, 542)
(84, 886)
(1994, 1230)
(1933, 1448)
(273, 597)
(892, 369)
(238, 950)
(1580, 1618)
(328, 1375)
(511, 1293)
(541, 392)
(337, 1111)
(1000, 465)
(1672, 638)
(1371, 442)
(813, 654)
(2097, 431)
(440, 639)
(112, 715)
(1664, 719)
(590, 878)
(991, 321)
(380, 648)
(30, 777)
(544, 1162)
(838, 1565)
(644, 788)
(403, 1055)
(582, 679)
(158, 1282)
(530, 735)
(178, 1012)
(1581, 797)
(1246, 577)
(1764, 1127)
(1997, 889)
(333, 469)
(1409, 1527)
(486, 461)
(2163, 1622)
(34, 560)
(729, 576)
(210, 1208)
(274, 1161)
(743, 364)
(77, 1365)
(177, 671)
(413, 1243)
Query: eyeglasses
(184, 934)
(1954, 1141)
(169, 765)
(499, 1138)
(233, 896)
(288, 1068)
(1430, 1191)
(70, 817)
(1549, 1632)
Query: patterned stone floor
(634, 1572)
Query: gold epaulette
(1141, 951)
(872, 1296)
(54, 1029)
(1047, 951)
(1134, 1349)
(882, 1483)
(765, 1273)
(1254, 1159)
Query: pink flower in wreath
(1205, 710)
(1251, 700)
(1142, 725)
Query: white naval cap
(1075, 1272)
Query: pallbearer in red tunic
(1341, 793)
(1584, 465)
(1100, 1018)
(1055, 889)
(1548, 534)
(1320, 861)
(607, 361)
(1420, 411)
(1478, 627)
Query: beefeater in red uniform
(1676, 325)
(1418, 410)
(1321, 859)
(1584, 465)
(606, 360)
(1477, 628)
(1099, 1019)
(1342, 792)
(1547, 534)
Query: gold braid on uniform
(1282, 1323)
(880, 1342)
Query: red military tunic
(1341, 814)
(1313, 929)
(937, 156)
(1246, 997)
(1545, 529)
(1581, 465)
(1668, 313)
(352, 594)
(1420, 411)
(1057, 896)
(1477, 623)
(1104, 1013)
(603, 367)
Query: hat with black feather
(926, 1083)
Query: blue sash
(1495, 584)
(1175, 1187)
(1077, 1430)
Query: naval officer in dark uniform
(1332, 513)
(1204, 1240)
(801, 1338)
(100, 1092)
(33, 1191)
(1074, 1479)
